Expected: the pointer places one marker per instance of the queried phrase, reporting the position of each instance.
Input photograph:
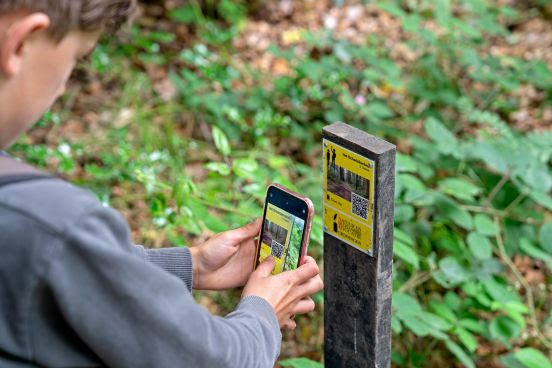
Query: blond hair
(69, 15)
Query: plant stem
(519, 277)
(496, 189)
(223, 208)
(516, 201)
(415, 280)
(502, 214)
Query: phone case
(308, 222)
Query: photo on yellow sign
(348, 196)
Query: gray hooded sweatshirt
(76, 292)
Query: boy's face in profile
(34, 70)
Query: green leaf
(475, 290)
(406, 253)
(480, 246)
(485, 225)
(403, 237)
(415, 189)
(509, 361)
(548, 321)
(443, 14)
(535, 252)
(449, 241)
(438, 334)
(300, 363)
(453, 301)
(406, 163)
(183, 187)
(517, 307)
(221, 141)
(245, 168)
(214, 224)
(489, 267)
(278, 162)
(504, 329)
(397, 359)
(459, 188)
(408, 311)
(411, 23)
(500, 292)
(545, 236)
(542, 198)
(453, 211)
(515, 311)
(396, 325)
(472, 325)
(445, 140)
(185, 14)
(537, 176)
(467, 338)
(392, 9)
(453, 270)
(443, 310)
(404, 303)
(493, 156)
(415, 324)
(532, 358)
(404, 213)
(232, 11)
(435, 321)
(218, 167)
(460, 354)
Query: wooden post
(358, 247)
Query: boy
(74, 290)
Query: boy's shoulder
(52, 202)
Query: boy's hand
(288, 292)
(227, 259)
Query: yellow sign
(349, 180)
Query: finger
(305, 272)
(304, 305)
(289, 325)
(308, 260)
(246, 232)
(308, 288)
(266, 268)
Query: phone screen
(283, 230)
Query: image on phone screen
(281, 237)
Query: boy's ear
(15, 37)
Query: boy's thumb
(266, 268)
(246, 232)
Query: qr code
(277, 249)
(360, 205)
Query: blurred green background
(183, 120)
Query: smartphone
(287, 221)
